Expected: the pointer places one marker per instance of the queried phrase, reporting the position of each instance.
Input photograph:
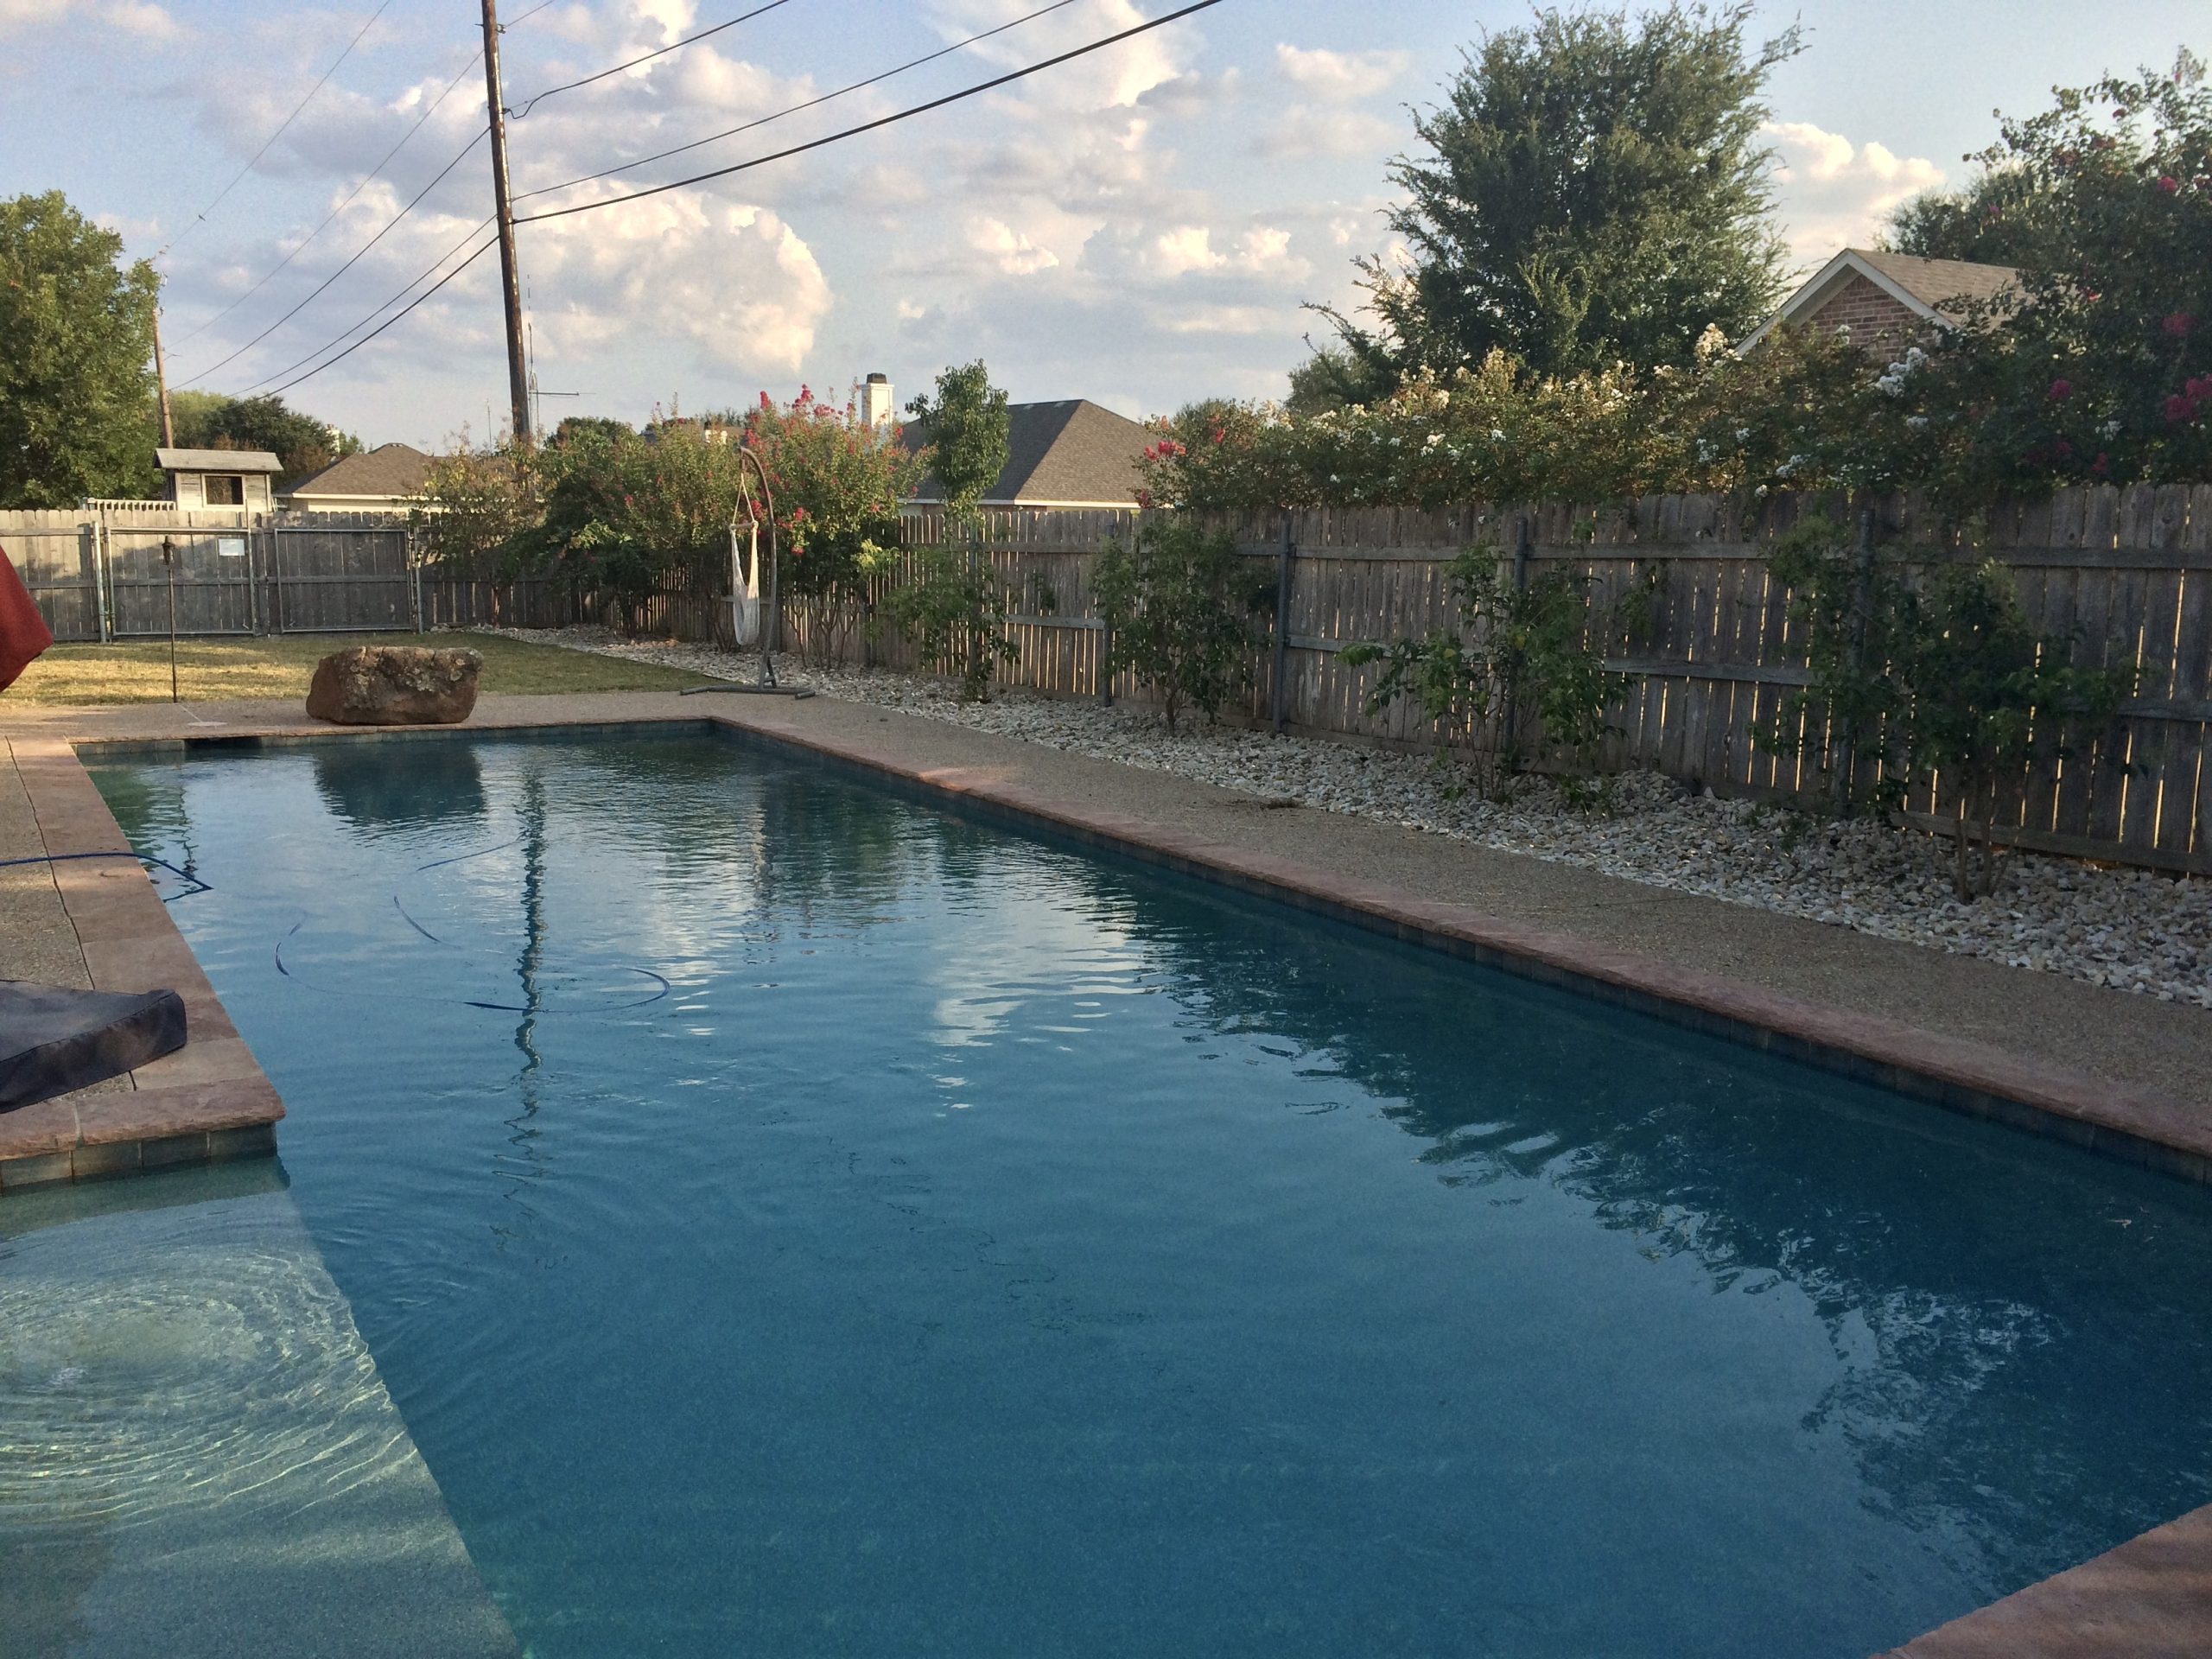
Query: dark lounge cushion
(54, 1038)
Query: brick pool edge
(206, 1102)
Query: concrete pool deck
(2121, 1073)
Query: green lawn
(212, 669)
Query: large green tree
(1593, 190)
(209, 420)
(76, 358)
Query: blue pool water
(793, 1220)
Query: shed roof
(1074, 453)
(216, 461)
(389, 471)
(1939, 290)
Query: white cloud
(1835, 194)
(1186, 248)
(1338, 77)
(735, 281)
(1308, 135)
(1010, 250)
(138, 18)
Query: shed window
(225, 489)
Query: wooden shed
(243, 479)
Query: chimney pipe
(876, 405)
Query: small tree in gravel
(954, 606)
(1521, 683)
(1180, 604)
(1939, 680)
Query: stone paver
(2151, 1598)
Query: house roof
(216, 461)
(389, 471)
(1939, 290)
(1069, 454)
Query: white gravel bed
(2133, 930)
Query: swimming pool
(791, 1219)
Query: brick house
(1888, 301)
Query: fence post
(100, 577)
(1278, 687)
(1844, 763)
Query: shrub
(1942, 676)
(1521, 684)
(1178, 605)
(954, 609)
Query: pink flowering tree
(2099, 367)
(838, 485)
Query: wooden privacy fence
(2125, 572)
(98, 572)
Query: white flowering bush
(1804, 412)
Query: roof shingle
(390, 470)
(1066, 453)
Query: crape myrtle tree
(954, 607)
(76, 358)
(2098, 368)
(838, 483)
(1592, 191)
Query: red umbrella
(23, 632)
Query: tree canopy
(1592, 191)
(2102, 368)
(209, 420)
(967, 424)
(76, 358)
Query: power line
(880, 121)
(341, 207)
(1198, 5)
(469, 236)
(659, 52)
(199, 218)
(796, 109)
(418, 299)
(516, 22)
(203, 374)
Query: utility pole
(511, 280)
(162, 382)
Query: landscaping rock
(394, 686)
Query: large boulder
(394, 686)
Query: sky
(1140, 226)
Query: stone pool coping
(2151, 1597)
(207, 1101)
